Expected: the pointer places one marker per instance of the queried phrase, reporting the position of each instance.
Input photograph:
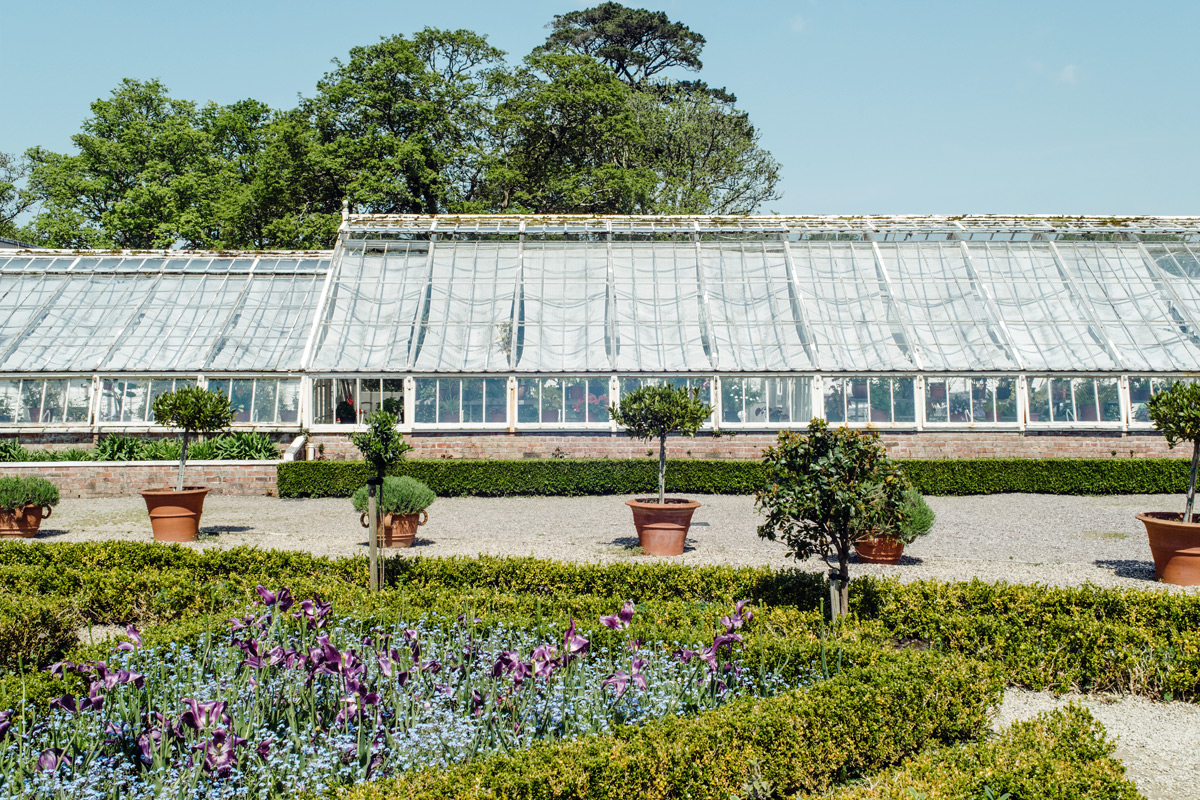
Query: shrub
(1176, 412)
(18, 492)
(244, 446)
(35, 631)
(382, 444)
(654, 412)
(916, 518)
(402, 495)
(193, 410)
(119, 448)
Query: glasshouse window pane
(1039, 400)
(133, 402)
(801, 400)
(1108, 399)
(369, 398)
(835, 400)
(937, 408)
(779, 403)
(31, 401)
(1006, 399)
(393, 397)
(472, 400)
(53, 401)
(880, 390)
(1062, 401)
(77, 400)
(575, 400)
(1139, 396)
(858, 404)
(241, 395)
(629, 384)
(219, 385)
(109, 405)
(289, 401)
(904, 407)
(527, 400)
(982, 401)
(731, 400)
(449, 401)
(158, 386)
(755, 390)
(496, 399)
(425, 405)
(265, 393)
(597, 400)
(344, 412)
(552, 400)
(10, 394)
(322, 400)
(960, 399)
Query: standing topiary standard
(655, 412)
(175, 515)
(1175, 538)
(382, 445)
(827, 489)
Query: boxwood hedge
(599, 476)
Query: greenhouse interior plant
(655, 412)
(402, 502)
(24, 503)
(175, 513)
(1174, 537)
(823, 491)
(893, 524)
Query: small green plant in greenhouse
(194, 411)
(655, 412)
(403, 495)
(1176, 412)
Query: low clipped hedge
(1058, 755)
(601, 476)
(35, 631)
(856, 723)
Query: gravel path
(1064, 541)
(1157, 742)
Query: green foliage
(915, 519)
(1176, 412)
(655, 412)
(381, 444)
(115, 447)
(193, 410)
(35, 631)
(18, 492)
(826, 490)
(1058, 755)
(403, 495)
(244, 446)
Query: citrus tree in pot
(402, 502)
(822, 487)
(175, 513)
(24, 503)
(1175, 538)
(655, 412)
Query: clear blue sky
(872, 107)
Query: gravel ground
(1064, 541)
(1157, 742)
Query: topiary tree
(826, 489)
(194, 411)
(654, 412)
(1176, 412)
(381, 444)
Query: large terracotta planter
(399, 530)
(1175, 545)
(662, 527)
(22, 523)
(879, 550)
(175, 516)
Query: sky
(902, 107)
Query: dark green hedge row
(575, 477)
(854, 724)
(1059, 755)
(35, 630)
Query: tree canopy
(434, 122)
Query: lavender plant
(294, 699)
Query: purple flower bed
(295, 699)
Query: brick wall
(126, 479)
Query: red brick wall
(126, 479)
(901, 444)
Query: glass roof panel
(466, 322)
(564, 308)
(658, 315)
(368, 317)
(757, 320)
(270, 326)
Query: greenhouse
(495, 323)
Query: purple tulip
(634, 645)
(385, 664)
(59, 668)
(220, 754)
(268, 597)
(432, 666)
(314, 612)
(521, 671)
(5, 723)
(619, 681)
(51, 759)
(619, 621)
(136, 678)
(201, 716)
(573, 644)
(66, 703)
(545, 661)
(477, 701)
(147, 743)
(135, 639)
(264, 748)
(506, 662)
(635, 668)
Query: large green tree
(13, 200)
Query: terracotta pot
(24, 522)
(399, 530)
(1175, 545)
(662, 527)
(879, 550)
(175, 516)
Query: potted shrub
(175, 513)
(381, 445)
(654, 412)
(1175, 538)
(24, 503)
(402, 502)
(882, 540)
(823, 488)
